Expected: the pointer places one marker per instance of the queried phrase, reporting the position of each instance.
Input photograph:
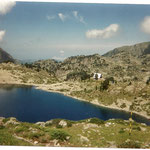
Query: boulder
(90, 125)
(42, 124)
(108, 124)
(35, 142)
(83, 138)
(13, 121)
(50, 122)
(1, 121)
(63, 123)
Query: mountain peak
(5, 57)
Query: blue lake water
(32, 105)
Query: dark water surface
(32, 105)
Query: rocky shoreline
(95, 102)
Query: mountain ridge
(120, 62)
(5, 57)
(136, 50)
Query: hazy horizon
(36, 30)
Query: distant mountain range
(126, 61)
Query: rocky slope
(75, 65)
(125, 62)
(49, 65)
(5, 57)
(134, 61)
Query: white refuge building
(99, 75)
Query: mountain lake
(28, 104)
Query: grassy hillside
(86, 133)
(22, 74)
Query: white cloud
(6, 6)
(62, 17)
(62, 52)
(75, 13)
(50, 17)
(2, 34)
(78, 17)
(145, 25)
(59, 58)
(108, 32)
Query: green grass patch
(21, 129)
(6, 138)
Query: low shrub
(111, 79)
(69, 124)
(44, 139)
(123, 105)
(56, 121)
(59, 135)
(35, 135)
(96, 121)
(2, 127)
(121, 130)
(21, 129)
(129, 144)
(137, 128)
(82, 75)
(58, 126)
(120, 121)
(131, 107)
(104, 85)
(5, 120)
(148, 81)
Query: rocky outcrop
(63, 123)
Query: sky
(36, 30)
